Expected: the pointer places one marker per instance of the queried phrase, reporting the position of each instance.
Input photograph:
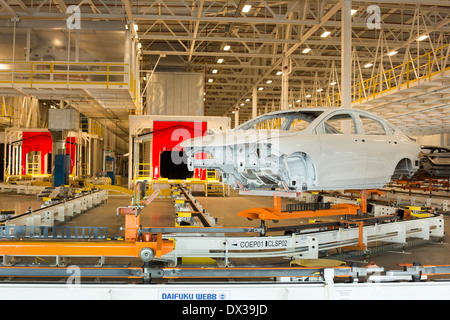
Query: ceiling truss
(192, 35)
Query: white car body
(338, 149)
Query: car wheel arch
(404, 167)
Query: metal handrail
(402, 75)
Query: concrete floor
(160, 213)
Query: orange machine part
(128, 248)
(83, 248)
(275, 214)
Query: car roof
(321, 109)
(299, 110)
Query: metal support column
(255, 102)
(346, 55)
(285, 83)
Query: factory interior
(224, 150)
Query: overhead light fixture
(368, 65)
(242, 104)
(306, 50)
(290, 105)
(139, 45)
(210, 80)
(269, 81)
(308, 96)
(214, 71)
(260, 88)
(135, 26)
(353, 11)
(233, 111)
(4, 67)
(298, 100)
(422, 37)
(246, 8)
(248, 99)
(333, 83)
(279, 73)
(220, 60)
(226, 47)
(325, 34)
(390, 54)
(319, 90)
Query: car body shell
(317, 157)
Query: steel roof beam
(10, 10)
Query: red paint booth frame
(168, 134)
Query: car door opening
(173, 165)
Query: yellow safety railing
(91, 126)
(6, 111)
(84, 169)
(211, 175)
(34, 168)
(144, 171)
(401, 76)
(72, 73)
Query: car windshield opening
(286, 121)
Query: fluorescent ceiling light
(214, 71)
(368, 65)
(246, 8)
(392, 53)
(308, 96)
(260, 88)
(422, 38)
(279, 73)
(333, 83)
(220, 60)
(210, 80)
(226, 47)
(269, 81)
(353, 11)
(325, 34)
(306, 50)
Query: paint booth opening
(173, 165)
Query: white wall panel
(175, 93)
